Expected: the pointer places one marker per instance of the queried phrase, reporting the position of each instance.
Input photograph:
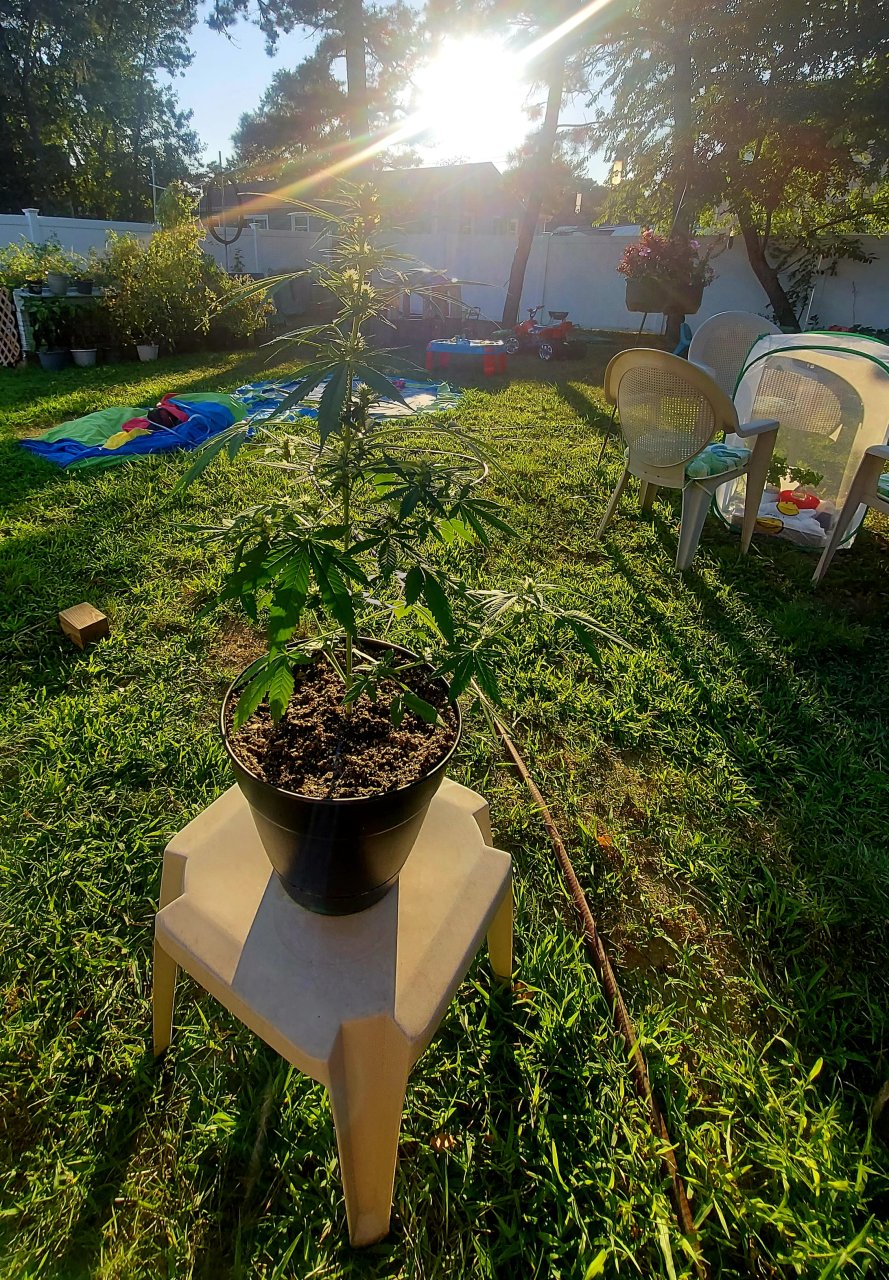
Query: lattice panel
(10, 345)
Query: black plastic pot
(84, 287)
(34, 287)
(337, 856)
(53, 361)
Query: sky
(229, 75)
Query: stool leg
(163, 996)
(500, 937)
(368, 1081)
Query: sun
(471, 99)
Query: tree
(381, 37)
(555, 70)
(82, 109)
(765, 113)
(301, 114)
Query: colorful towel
(95, 439)
(715, 459)
(262, 399)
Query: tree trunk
(683, 153)
(766, 274)
(546, 141)
(356, 69)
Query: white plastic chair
(830, 393)
(863, 492)
(670, 412)
(720, 345)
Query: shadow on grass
(827, 828)
(117, 1145)
(22, 473)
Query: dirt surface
(317, 750)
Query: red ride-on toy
(550, 341)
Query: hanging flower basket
(665, 274)
(686, 298)
(647, 294)
(644, 293)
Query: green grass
(723, 792)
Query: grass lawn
(722, 788)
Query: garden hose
(623, 1021)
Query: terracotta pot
(337, 856)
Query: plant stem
(347, 465)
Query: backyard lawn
(722, 788)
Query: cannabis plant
(349, 545)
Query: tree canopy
(309, 107)
(766, 115)
(83, 110)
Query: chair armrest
(880, 451)
(759, 427)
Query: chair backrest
(830, 394)
(669, 410)
(722, 343)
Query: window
(299, 222)
(505, 226)
(258, 221)
(464, 224)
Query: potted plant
(58, 278)
(88, 331)
(337, 736)
(51, 326)
(665, 273)
(83, 272)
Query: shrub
(165, 290)
(52, 322)
(24, 260)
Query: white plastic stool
(352, 1001)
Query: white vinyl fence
(576, 273)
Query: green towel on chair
(715, 459)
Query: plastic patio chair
(865, 490)
(670, 412)
(830, 394)
(721, 345)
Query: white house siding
(575, 273)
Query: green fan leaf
(252, 694)
(280, 687)
(439, 605)
(330, 407)
(289, 599)
(420, 707)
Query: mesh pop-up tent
(830, 393)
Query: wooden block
(83, 623)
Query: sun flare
(471, 99)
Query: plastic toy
(551, 342)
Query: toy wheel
(546, 351)
(512, 345)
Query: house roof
(467, 188)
